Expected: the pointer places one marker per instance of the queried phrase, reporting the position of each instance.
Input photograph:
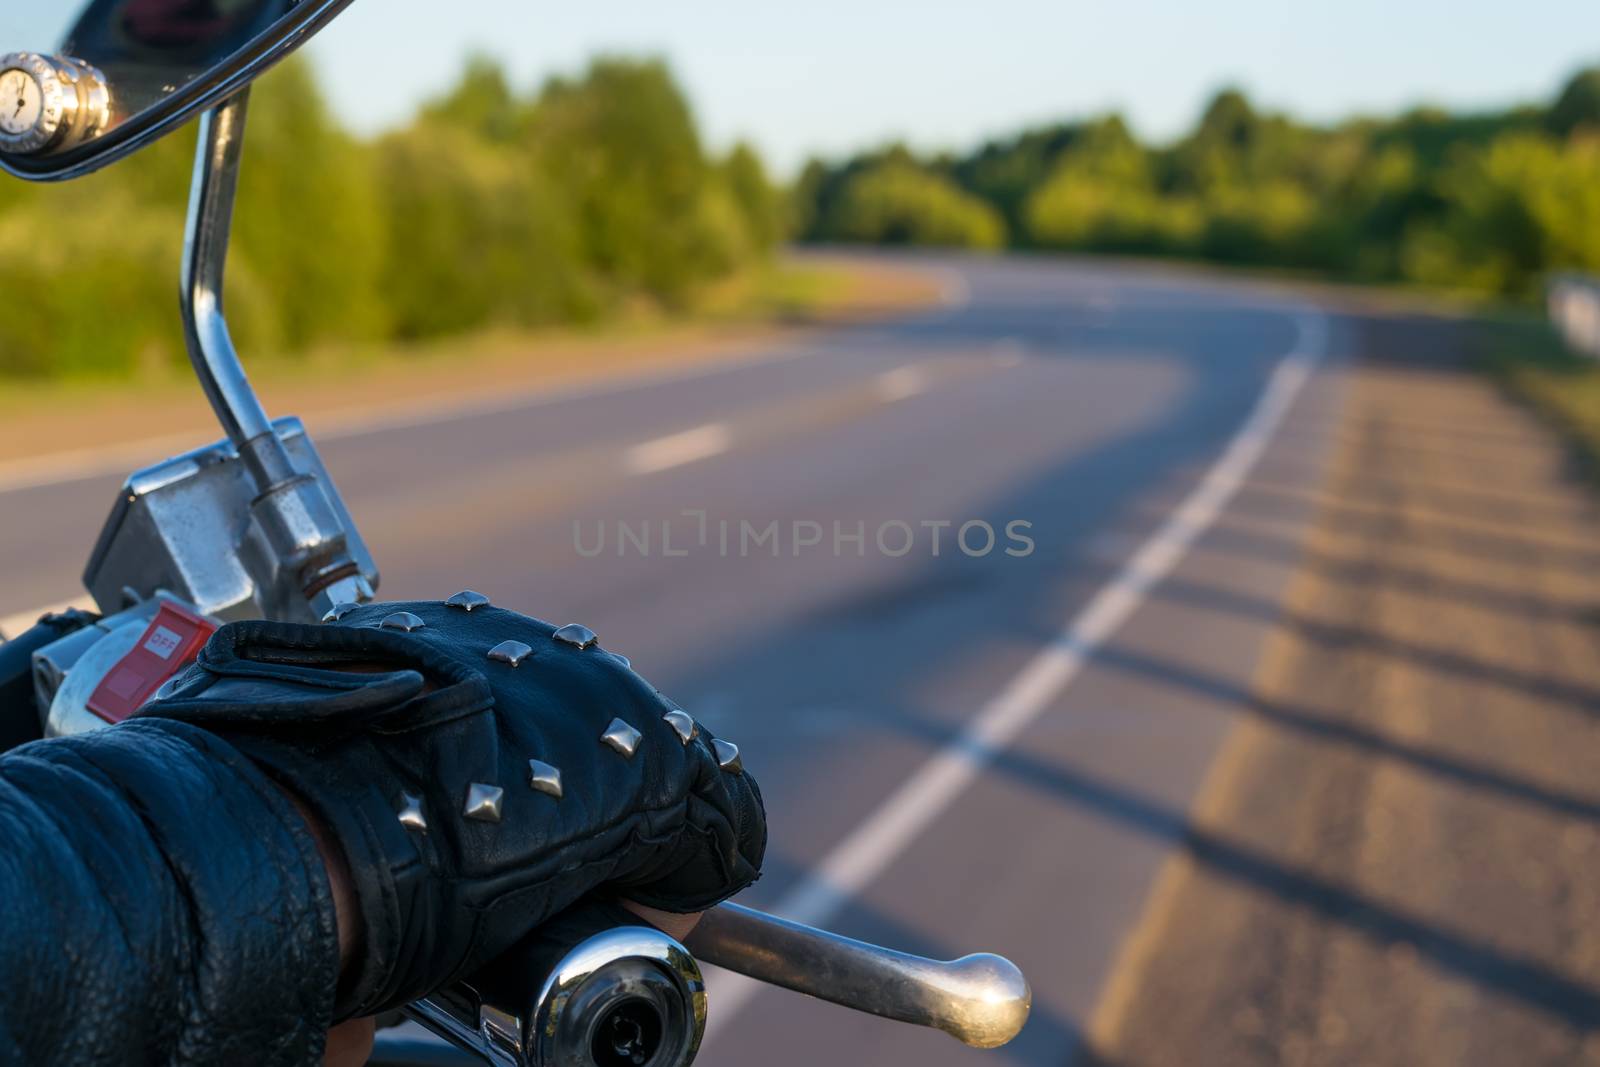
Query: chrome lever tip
(982, 1000)
(987, 1000)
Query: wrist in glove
(483, 772)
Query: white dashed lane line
(901, 383)
(678, 449)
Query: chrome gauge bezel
(74, 103)
(52, 103)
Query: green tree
(476, 237)
(94, 239)
(481, 103)
(489, 209)
(897, 203)
(805, 208)
(1514, 210)
(621, 144)
(1102, 196)
(1007, 173)
(308, 226)
(1578, 106)
(760, 207)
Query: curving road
(962, 747)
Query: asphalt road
(1094, 411)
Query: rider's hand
(457, 845)
(674, 926)
(350, 1043)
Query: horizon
(999, 135)
(753, 75)
(843, 77)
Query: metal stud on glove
(481, 770)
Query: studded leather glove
(482, 771)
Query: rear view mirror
(127, 72)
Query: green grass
(1528, 357)
(774, 295)
(788, 291)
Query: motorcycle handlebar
(583, 978)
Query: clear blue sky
(832, 75)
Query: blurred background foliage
(1487, 203)
(594, 197)
(590, 197)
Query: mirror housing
(132, 71)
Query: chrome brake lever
(981, 1000)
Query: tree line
(1488, 203)
(595, 194)
(492, 208)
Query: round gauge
(49, 103)
(21, 102)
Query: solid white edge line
(879, 839)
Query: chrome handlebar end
(627, 995)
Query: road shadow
(1440, 494)
(1469, 958)
(1317, 725)
(1468, 536)
(1338, 639)
(1256, 544)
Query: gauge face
(21, 102)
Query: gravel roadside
(1396, 860)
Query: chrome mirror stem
(299, 527)
(205, 256)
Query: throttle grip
(584, 991)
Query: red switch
(170, 643)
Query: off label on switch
(171, 641)
(163, 642)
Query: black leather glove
(19, 715)
(482, 771)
